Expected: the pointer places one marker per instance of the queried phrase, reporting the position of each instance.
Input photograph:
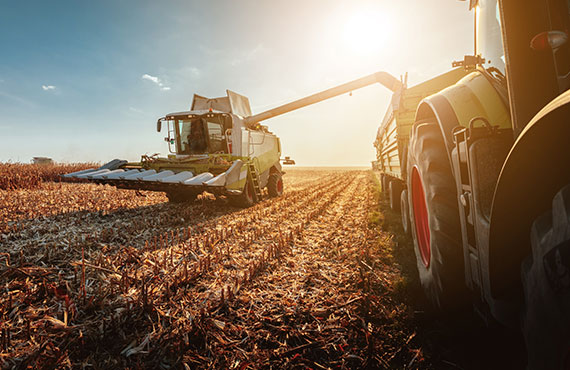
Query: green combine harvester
(217, 146)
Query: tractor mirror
(159, 124)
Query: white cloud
(155, 80)
(48, 87)
(135, 110)
(151, 78)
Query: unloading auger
(218, 146)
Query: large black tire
(394, 192)
(180, 196)
(405, 211)
(434, 218)
(546, 284)
(246, 198)
(275, 185)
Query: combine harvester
(219, 147)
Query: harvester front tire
(434, 218)
(275, 185)
(246, 198)
(546, 284)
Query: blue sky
(85, 80)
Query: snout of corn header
(382, 78)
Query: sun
(365, 32)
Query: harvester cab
(211, 149)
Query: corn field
(15, 176)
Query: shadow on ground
(459, 340)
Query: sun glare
(365, 33)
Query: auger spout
(382, 78)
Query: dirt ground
(320, 278)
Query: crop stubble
(95, 275)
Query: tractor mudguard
(537, 167)
(472, 96)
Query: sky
(86, 80)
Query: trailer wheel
(180, 197)
(394, 192)
(275, 184)
(246, 198)
(405, 211)
(434, 218)
(546, 284)
(385, 180)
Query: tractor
(480, 172)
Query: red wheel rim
(421, 220)
(279, 186)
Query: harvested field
(98, 277)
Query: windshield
(489, 37)
(202, 135)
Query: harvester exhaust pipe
(383, 78)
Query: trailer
(393, 135)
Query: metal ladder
(254, 177)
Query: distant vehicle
(42, 160)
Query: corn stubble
(94, 276)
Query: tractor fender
(536, 168)
(472, 96)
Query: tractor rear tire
(394, 192)
(246, 198)
(546, 285)
(275, 185)
(180, 197)
(405, 211)
(434, 218)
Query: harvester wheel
(405, 211)
(394, 191)
(434, 218)
(246, 198)
(180, 197)
(546, 284)
(275, 184)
